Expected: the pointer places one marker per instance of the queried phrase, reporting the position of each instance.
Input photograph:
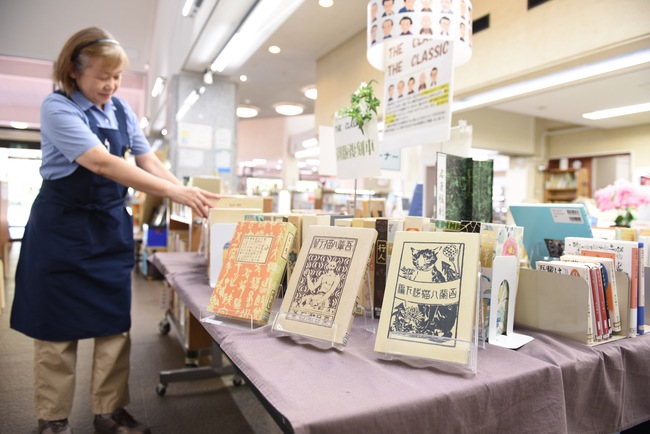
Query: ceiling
(161, 42)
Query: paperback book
(323, 291)
(429, 308)
(252, 271)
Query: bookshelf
(566, 185)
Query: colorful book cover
(429, 308)
(609, 281)
(627, 261)
(547, 225)
(322, 294)
(252, 271)
(496, 240)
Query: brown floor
(204, 406)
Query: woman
(73, 279)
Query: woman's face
(97, 82)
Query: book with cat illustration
(252, 270)
(429, 308)
(323, 291)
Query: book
(429, 308)
(463, 188)
(322, 294)
(381, 260)
(252, 271)
(627, 261)
(296, 220)
(609, 282)
(497, 240)
(221, 227)
(547, 225)
(582, 271)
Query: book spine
(602, 284)
(381, 252)
(604, 316)
(593, 286)
(614, 305)
(634, 293)
(640, 315)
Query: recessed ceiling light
(326, 3)
(247, 111)
(288, 109)
(243, 78)
(163, 132)
(274, 49)
(311, 92)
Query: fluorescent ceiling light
(618, 111)
(305, 153)
(247, 111)
(19, 125)
(187, 7)
(288, 109)
(260, 23)
(158, 86)
(552, 80)
(191, 99)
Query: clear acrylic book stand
(326, 343)
(233, 320)
(468, 349)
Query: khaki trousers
(54, 376)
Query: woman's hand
(194, 197)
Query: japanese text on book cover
(252, 271)
(323, 291)
(429, 308)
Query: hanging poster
(418, 93)
(194, 136)
(357, 153)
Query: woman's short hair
(76, 53)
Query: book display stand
(323, 344)
(557, 303)
(503, 300)
(367, 311)
(464, 360)
(330, 341)
(230, 320)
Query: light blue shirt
(66, 133)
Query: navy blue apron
(73, 279)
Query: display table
(312, 390)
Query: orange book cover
(248, 283)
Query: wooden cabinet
(566, 185)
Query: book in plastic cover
(323, 291)
(248, 283)
(429, 308)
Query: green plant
(363, 105)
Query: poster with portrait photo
(418, 86)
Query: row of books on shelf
(437, 286)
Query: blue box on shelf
(155, 236)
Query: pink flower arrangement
(622, 196)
